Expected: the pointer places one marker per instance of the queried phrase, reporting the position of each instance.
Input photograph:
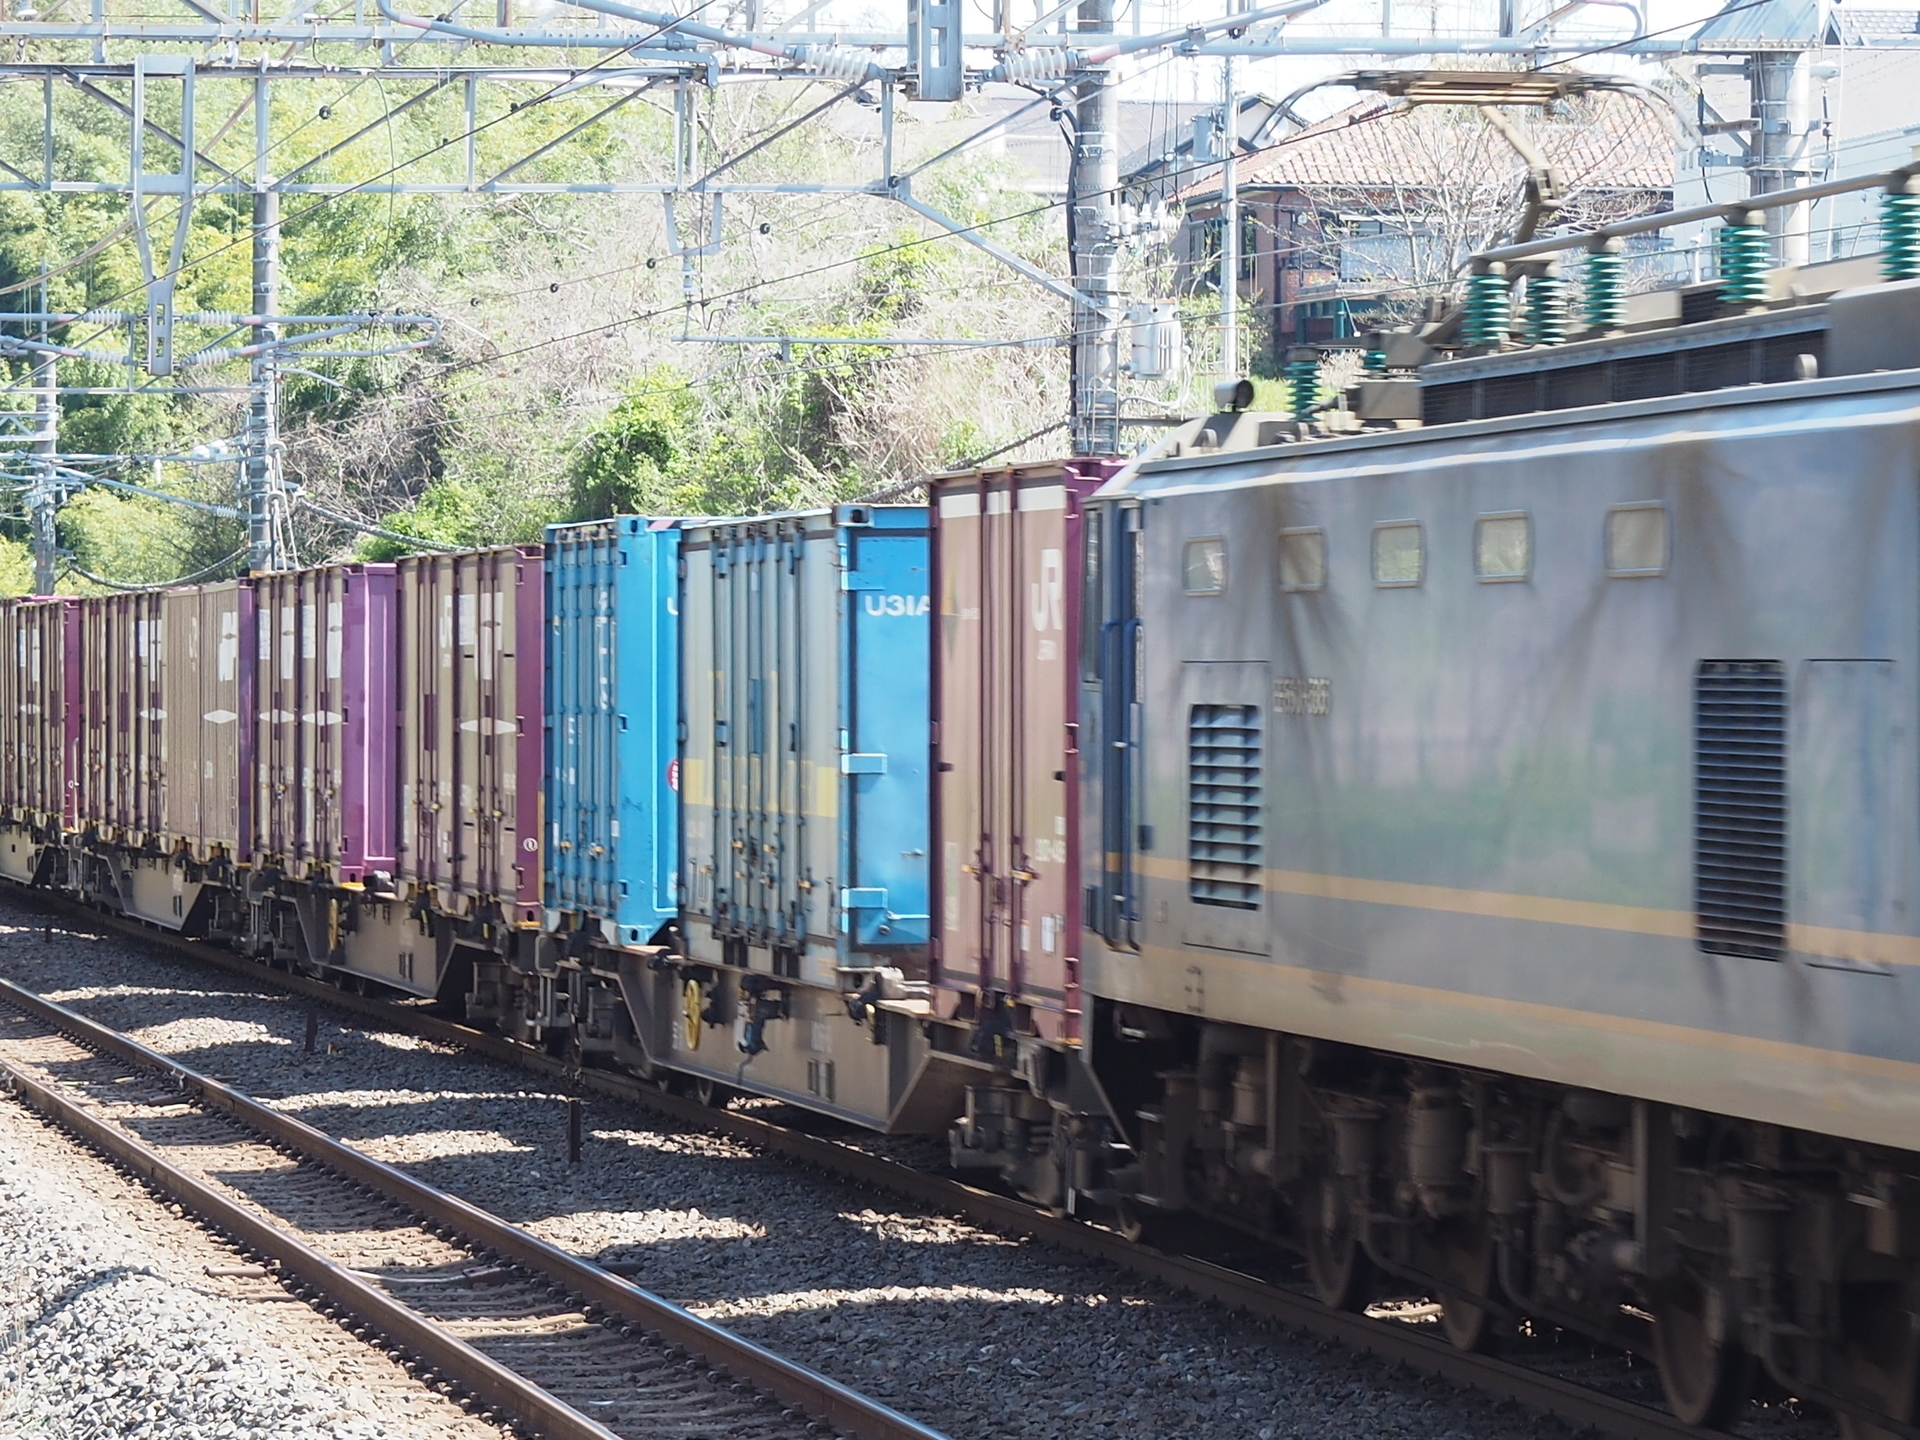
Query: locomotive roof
(1866, 339)
(1243, 461)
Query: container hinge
(863, 764)
(869, 899)
(854, 580)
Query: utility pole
(1229, 225)
(43, 492)
(263, 428)
(1781, 155)
(1096, 248)
(263, 411)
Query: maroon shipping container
(471, 731)
(120, 638)
(206, 724)
(40, 712)
(324, 803)
(1006, 882)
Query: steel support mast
(43, 493)
(1094, 238)
(264, 550)
(1229, 225)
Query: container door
(703, 756)
(886, 742)
(963, 782)
(1121, 720)
(1043, 870)
(814, 674)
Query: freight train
(1477, 850)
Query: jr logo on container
(1047, 593)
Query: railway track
(1581, 1390)
(530, 1335)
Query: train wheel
(1706, 1377)
(1138, 1224)
(1337, 1264)
(1467, 1254)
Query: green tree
(638, 461)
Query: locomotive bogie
(1710, 1243)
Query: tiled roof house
(1378, 199)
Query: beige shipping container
(40, 711)
(121, 767)
(472, 633)
(206, 728)
(323, 795)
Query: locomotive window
(1398, 556)
(1503, 547)
(1637, 540)
(1206, 566)
(1303, 559)
(1093, 613)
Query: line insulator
(835, 63)
(1745, 251)
(1900, 232)
(1547, 308)
(1489, 307)
(1038, 65)
(1302, 376)
(1606, 287)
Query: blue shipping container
(806, 742)
(613, 679)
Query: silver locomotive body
(1641, 826)
(1500, 840)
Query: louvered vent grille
(1223, 805)
(1740, 807)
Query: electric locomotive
(1500, 841)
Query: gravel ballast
(112, 1326)
(968, 1331)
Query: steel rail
(447, 1353)
(1575, 1404)
(795, 1384)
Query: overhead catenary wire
(367, 527)
(319, 202)
(73, 567)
